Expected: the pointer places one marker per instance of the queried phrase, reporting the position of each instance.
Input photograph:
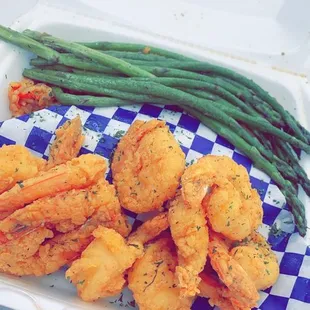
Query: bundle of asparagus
(233, 106)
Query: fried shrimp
(152, 279)
(17, 164)
(232, 214)
(110, 213)
(190, 234)
(150, 229)
(223, 188)
(147, 166)
(230, 272)
(78, 173)
(255, 256)
(64, 247)
(67, 210)
(67, 144)
(20, 249)
(100, 272)
(217, 293)
(52, 254)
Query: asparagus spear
(265, 149)
(135, 56)
(238, 90)
(86, 52)
(28, 44)
(64, 68)
(132, 47)
(204, 94)
(49, 55)
(248, 96)
(281, 155)
(150, 88)
(260, 144)
(159, 71)
(118, 97)
(215, 89)
(293, 161)
(264, 126)
(101, 86)
(69, 99)
(262, 106)
(274, 118)
(224, 88)
(304, 131)
(213, 86)
(74, 62)
(118, 47)
(79, 49)
(260, 92)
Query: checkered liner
(104, 126)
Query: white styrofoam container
(251, 42)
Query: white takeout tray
(95, 20)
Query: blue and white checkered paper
(104, 126)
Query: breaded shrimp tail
(150, 229)
(242, 288)
(53, 254)
(17, 164)
(190, 233)
(68, 142)
(78, 173)
(20, 249)
(255, 256)
(217, 293)
(67, 210)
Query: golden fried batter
(217, 293)
(67, 144)
(147, 166)
(20, 249)
(68, 210)
(52, 255)
(17, 164)
(255, 256)
(150, 229)
(223, 188)
(152, 279)
(100, 270)
(78, 173)
(190, 234)
(64, 248)
(239, 283)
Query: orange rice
(26, 97)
